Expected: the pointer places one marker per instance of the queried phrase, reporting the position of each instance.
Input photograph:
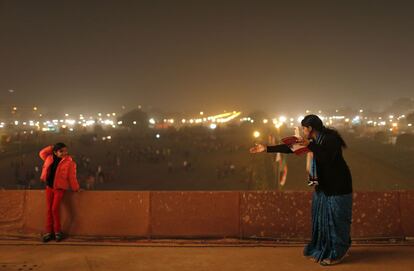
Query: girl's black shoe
(59, 236)
(47, 237)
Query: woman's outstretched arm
(282, 148)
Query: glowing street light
(256, 134)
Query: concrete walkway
(25, 256)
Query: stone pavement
(70, 256)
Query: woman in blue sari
(332, 199)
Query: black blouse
(334, 175)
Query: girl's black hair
(316, 123)
(58, 146)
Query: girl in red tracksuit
(59, 173)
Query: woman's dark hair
(316, 123)
(58, 146)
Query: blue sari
(331, 226)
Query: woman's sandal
(327, 262)
(313, 259)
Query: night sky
(278, 56)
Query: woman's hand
(258, 148)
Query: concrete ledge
(12, 204)
(407, 213)
(194, 214)
(207, 214)
(283, 215)
(376, 214)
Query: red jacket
(65, 173)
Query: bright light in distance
(152, 121)
(265, 121)
(157, 136)
(256, 134)
(282, 119)
(108, 122)
(70, 121)
(90, 122)
(213, 126)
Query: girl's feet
(59, 236)
(47, 237)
